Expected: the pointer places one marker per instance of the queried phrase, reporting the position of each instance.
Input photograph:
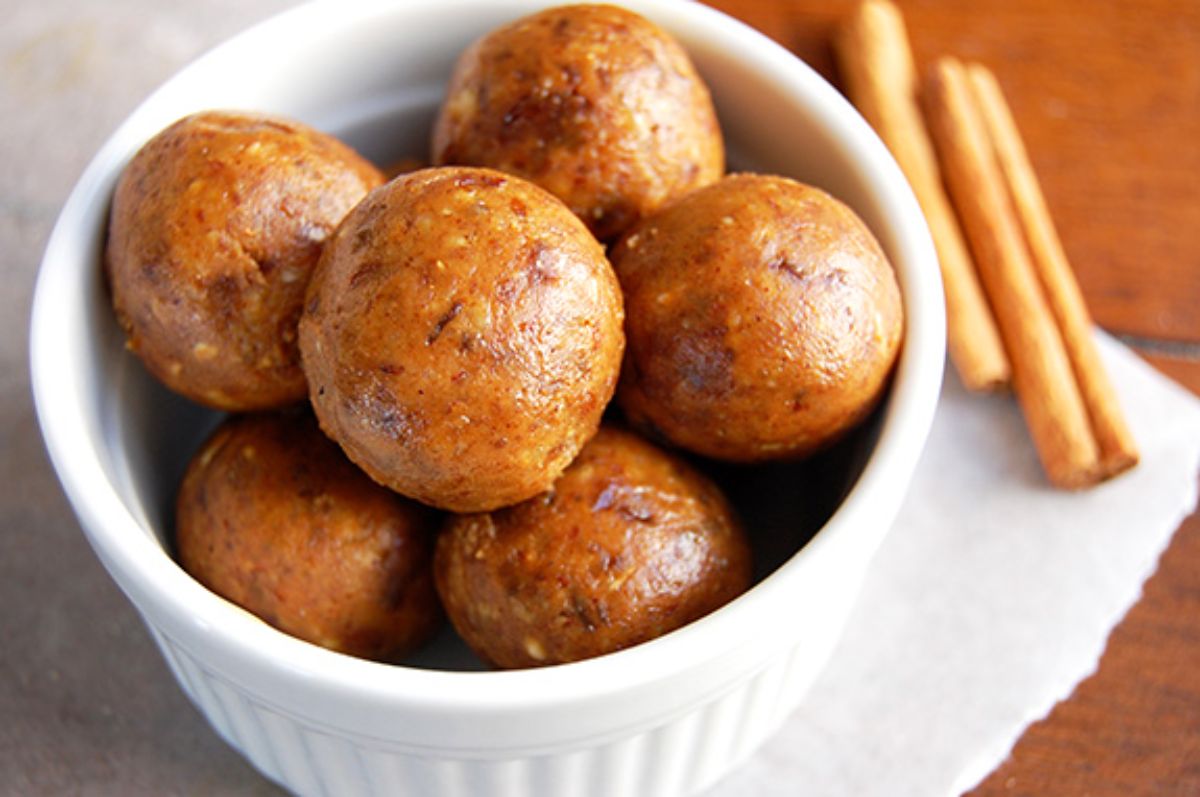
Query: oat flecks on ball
(763, 320)
(271, 516)
(594, 103)
(215, 228)
(630, 543)
(462, 337)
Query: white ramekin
(664, 718)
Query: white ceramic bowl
(667, 717)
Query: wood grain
(1107, 97)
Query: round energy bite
(272, 516)
(462, 337)
(630, 543)
(592, 102)
(763, 320)
(216, 225)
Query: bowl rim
(158, 587)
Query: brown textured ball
(462, 337)
(629, 544)
(763, 320)
(216, 225)
(593, 103)
(271, 516)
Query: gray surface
(86, 704)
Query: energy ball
(216, 225)
(592, 102)
(630, 543)
(763, 320)
(273, 517)
(462, 337)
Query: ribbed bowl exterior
(681, 756)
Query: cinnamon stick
(877, 69)
(1118, 452)
(1042, 375)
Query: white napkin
(991, 598)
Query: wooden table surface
(1107, 96)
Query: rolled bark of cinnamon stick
(1043, 378)
(877, 69)
(1118, 452)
